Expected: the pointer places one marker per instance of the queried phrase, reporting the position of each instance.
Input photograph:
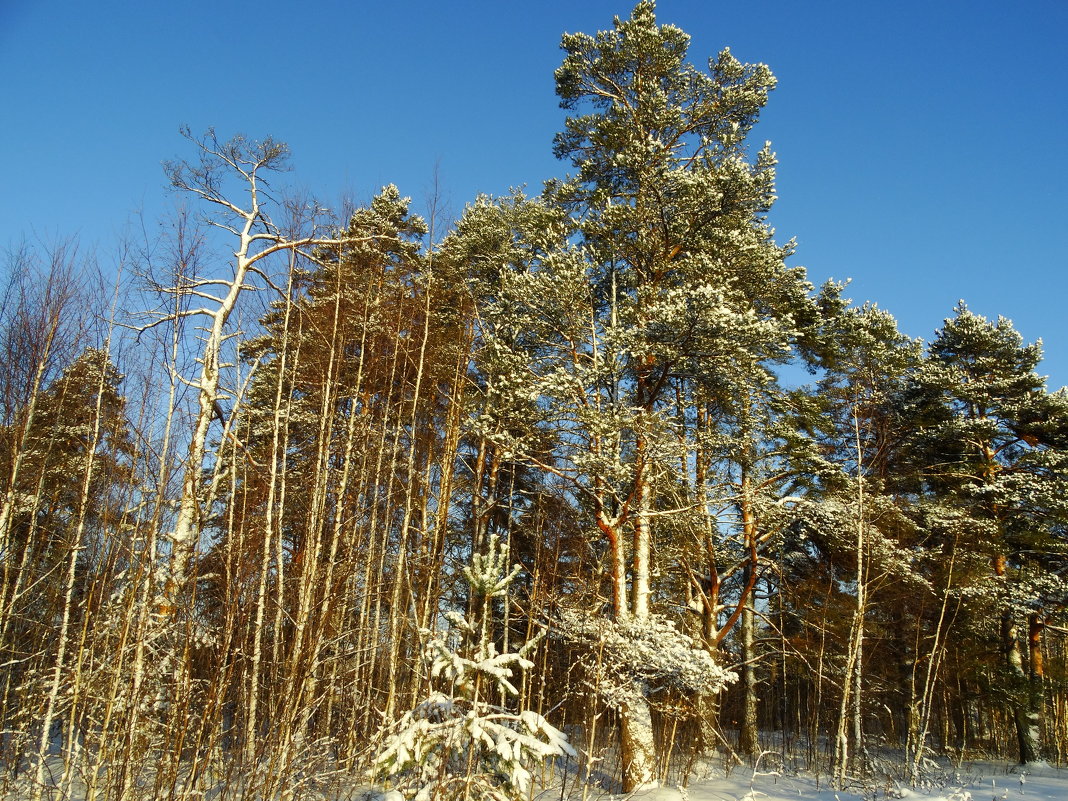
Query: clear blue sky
(923, 146)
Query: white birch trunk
(853, 674)
(187, 525)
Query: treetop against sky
(919, 144)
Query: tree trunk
(748, 743)
(638, 748)
(959, 713)
(1036, 693)
(1020, 684)
(708, 735)
(1019, 692)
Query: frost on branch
(456, 744)
(642, 656)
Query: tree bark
(1036, 692)
(637, 745)
(1019, 691)
(748, 743)
(747, 735)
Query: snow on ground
(972, 781)
(979, 781)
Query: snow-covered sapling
(456, 743)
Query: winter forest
(582, 490)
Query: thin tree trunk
(401, 569)
(853, 673)
(1036, 699)
(748, 742)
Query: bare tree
(212, 300)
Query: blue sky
(923, 146)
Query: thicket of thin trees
(254, 498)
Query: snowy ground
(973, 782)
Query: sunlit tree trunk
(853, 671)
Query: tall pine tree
(631, 295)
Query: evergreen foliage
(458, 743)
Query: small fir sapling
(457, 743)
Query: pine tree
(461, 742)
(632, 295)
(990, 447)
